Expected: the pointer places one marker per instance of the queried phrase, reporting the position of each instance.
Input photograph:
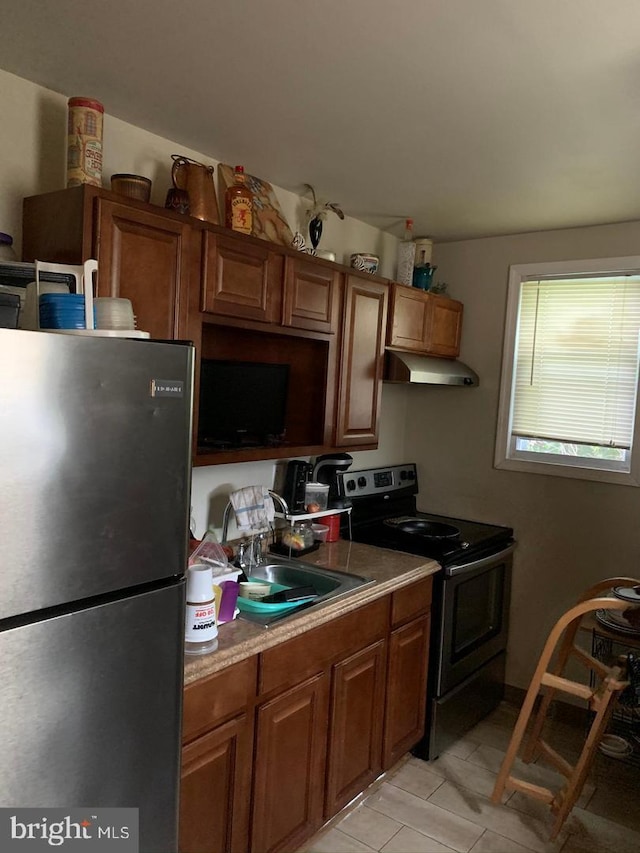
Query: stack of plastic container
(62, 311)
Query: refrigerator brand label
(69, 829)
(167, 388)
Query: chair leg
(552, 681)
(529, 752)
(525, 711)
(573, 789)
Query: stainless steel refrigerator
(95, 484)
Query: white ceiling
(475, 117)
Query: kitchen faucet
(255, 555)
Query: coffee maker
(325, 471)
(297, 476)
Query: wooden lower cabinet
(355, 741)
(216, 790)
(215, 787)
(291, 742)
(406, 694)
(277, 744)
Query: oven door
(474, 620)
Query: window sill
(573, 472)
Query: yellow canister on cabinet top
(84, 142)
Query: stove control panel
(378, 481)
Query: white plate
(614, 753)
(615, 746)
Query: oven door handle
(464, 568)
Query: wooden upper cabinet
(424, 322)
(143, 256)
(143, 252)
(241, 278)
(408, 318)
(311, 296)
(361, 364)
(445, 328)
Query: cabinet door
(215, 790)
(143, 257)
(409, 318)
(355, 740)
(445, 326)
(291, 739)
(365, 320)
(241, 279)
(312, 296)
(406, 689)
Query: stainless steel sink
(328, 583)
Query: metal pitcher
(197, 180)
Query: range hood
(412, 369)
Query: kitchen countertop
(389, 569)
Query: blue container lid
(63, 313)
(62, 298)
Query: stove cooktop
(385, 514)
(474, 540)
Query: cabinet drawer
(314, 651)
(209, 701)
(411, 600)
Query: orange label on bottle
(241, 215)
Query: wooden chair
(601, 699)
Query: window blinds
(576, 371)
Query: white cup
(254, 591)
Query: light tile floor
(444, 805)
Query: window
(568, 400)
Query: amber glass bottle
(239, 204)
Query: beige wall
(33, 160)
(570, 533)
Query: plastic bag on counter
(210, 552)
